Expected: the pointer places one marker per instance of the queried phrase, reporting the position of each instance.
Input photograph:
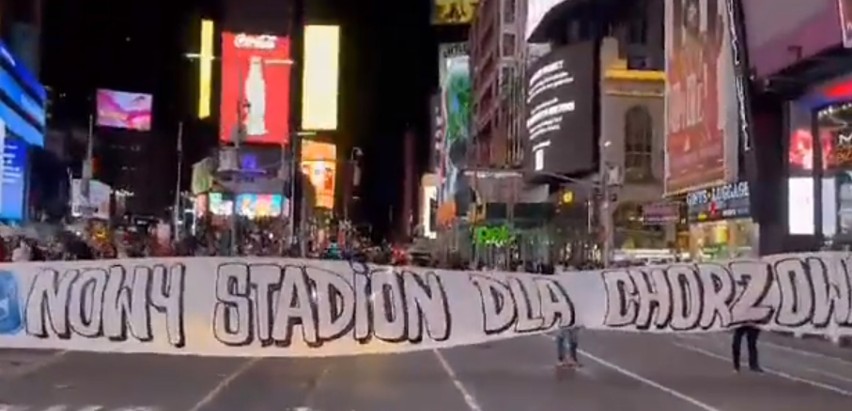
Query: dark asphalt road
(622, 372)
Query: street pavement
(622, 372)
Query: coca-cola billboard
(255, 103)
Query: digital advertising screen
(255, 100)
(259, 205)
(701, 104)
(13, 176)
(560, 111)
(319, 165)
(536, 10)
(121, 109)
(451, 12)
(22, 108)
(454, 104)
(218, 205)
(320, 77)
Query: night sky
(388, 64)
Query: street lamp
(609, 182)
(295, 157)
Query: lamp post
(610, 181)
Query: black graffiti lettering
(338, 316)
(528, 304)
(87, 297)
(557, 310)
(275, 304)
(47, 302)
(796, 303)
(427, 307)
(719, 292)
(106, 302)
(499, 310)
(295, 307)
(363, 307)
(753, 280)
(654, 298)
(822, 295)
(621, 298)
(167, 288)
(687, 297)
(388, 307)
(126, 301)
(842, 286)
(232, 315)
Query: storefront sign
(496, 236)
(660, 213)
(719, 203)
(275, 307)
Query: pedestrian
(751, 333)
(567, 338)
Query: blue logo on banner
(11, 317)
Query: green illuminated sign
(498, 236)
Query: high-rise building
(496, 39)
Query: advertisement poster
(120, 109)
(455, 100)
(12, 175)
(699, 85)
(259, 205)
(255, 88)
(445, 12)
(319, 165)
(97, 205)
(845, 8)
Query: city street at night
(621, 372)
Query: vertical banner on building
(320, 77)
(319, 165)
(845, 8)
(455, 98)
(255, 88)
(701, 106)
(445, 12)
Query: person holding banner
(567, 338)
(751, 333)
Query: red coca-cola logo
(261, 42)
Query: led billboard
(121, 109)
(22, 100)
(560, 97)
(255, 88)
(453, 11)
(455, 117)
(12, 176)
(701, 106)
(320, 77)
(319, 165)
(259, 205)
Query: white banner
(284, 307)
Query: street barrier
(307, 308)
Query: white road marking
(704, 406)
(469, 399)
(224, 384)
(812, 370)
(65, 407)
(805, 353)
(40, 365)
(772, 371)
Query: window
(508, 45)
(509, 7)
(638, 137)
